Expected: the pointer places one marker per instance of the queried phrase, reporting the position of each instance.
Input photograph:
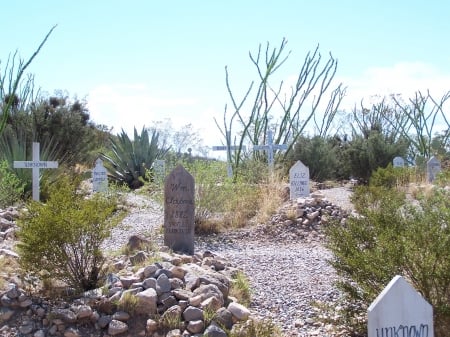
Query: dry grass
(8, 268)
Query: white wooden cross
(270, 147)
(36, 164)
(228, 149)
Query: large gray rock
(195, 326)
(239, 311)
(147, 301)
(214, 331)
(209, 290)
(192, 314)
(163, 284)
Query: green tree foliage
(62, 238)
(394, 236)
(130, 160)
(363, 155)
(320, 155)
(271, 108)
(11, 187)
(59, 123)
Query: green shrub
(62, 238)
(391, 176)
(11, 188)
(394, 236)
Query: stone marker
(159, 168)
(270, 147)
(228, 148)
(179, 211)
(299, 180)
(433, 168)
(398, 162)
(35, 164)
(99, 177)
(400, 310)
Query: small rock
(214, 331)
(239, 311)
(192, 314)
(195, 326)
(117, 327)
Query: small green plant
(11, 188)
(209, 315)
(395, 236)
(392, 176)
(128, 303)
(240, 288)
(130, 160)
(256, 328)
(63, 237)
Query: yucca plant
(130, 159)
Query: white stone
(433, 168)
(299, 180)
(239, 311)
(99, 177)
(398, 162)
(400, 310)
(117, 327)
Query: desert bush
(392, 176)
(11, 188)
(62, 238)
(256, 328)
(394, 236)
(320, 155)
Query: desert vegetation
(402, 227)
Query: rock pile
(303, 218)
(180, 296)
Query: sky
(136, 62)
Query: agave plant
(130, 159)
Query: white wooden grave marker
(400, 310)
(228, 149)
(99, 177)
(299, 180)
(398, 162)
(159, 167)
(433, 168)
(35, 165)
(270, 147)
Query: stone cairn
(182, 295)
(303, 219)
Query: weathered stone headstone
(400, 310)
(299, 180)
(99, 177)
(270, 147)
(398, 162)
(433, 168)
(36, 164)
(179, 211)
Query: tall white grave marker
(398, 162)
(159, 168)
(270, 147)
(99, 177)
(400, 310)
(433, 168)
(35, 165)
(228, 148)
(299, 180)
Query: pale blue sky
(142, 61)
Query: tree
(268, 102)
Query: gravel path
(285, 279)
